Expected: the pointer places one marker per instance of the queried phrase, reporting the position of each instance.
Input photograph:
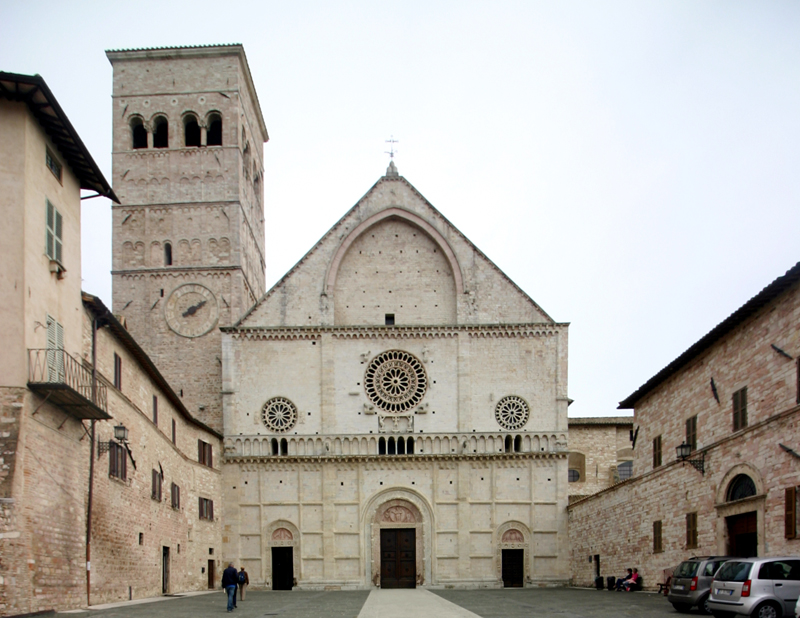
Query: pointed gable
(393, 254)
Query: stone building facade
(189, 231)
(600, 453)
(69, 371)
(734, 398)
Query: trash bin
(611, 581)
(598, 582)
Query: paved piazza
(508, 603)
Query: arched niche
(513, 535)
(281, 533)
(729, 508)
(398, 508)
(394, 268)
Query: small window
(167, 254)
(138, 133)
(691, 530)
(52, 164)
(214, 134)
(574, 475)
(740, 409)
(155, 494)
(742, 486)
(576, 464)
(191, 131)
(625, 470)
(160, 133)
(691, 432)
(174, 433)
(141, 538)
(117, 461)
(206, 509)
(204, 453)
(790, 513)
(656, 452)
(657, 547)
(117, 372)
(53, 239)
(175, 493)
(389, 319)
(155, 410)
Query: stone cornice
(269, 333)
(399, 461)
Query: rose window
(511, 412)
(395, 381)
(279, 414)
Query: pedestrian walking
(244, 581)
(229, 579)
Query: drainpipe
(91, 470)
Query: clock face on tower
(191, 310)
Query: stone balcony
(371, 445)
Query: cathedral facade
(394, 409)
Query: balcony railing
(65, 382)
(396, 444)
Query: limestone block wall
(745, 358)
(331, 508)
(597, 447)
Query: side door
(785, 575)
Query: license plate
(678, 587)
(723, 591)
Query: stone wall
(597, 447)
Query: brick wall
(600, 445)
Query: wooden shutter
(155, 410)
(209, 456)
(656, 451)
(740, 409)
(790, 513)
(200, 507)
(174, 433)
(211, 510)
(657, 537)
(691, 530)
(200, 451)
(58, 236)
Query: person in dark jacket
(229, 579)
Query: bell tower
(188, 235)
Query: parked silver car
(758, 587)
(691, 582)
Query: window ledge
(57, 268)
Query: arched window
(382, 446)
(214, 135)
(284, 447)
(742, 486)
(191, 131)
(274, 443)
(574, 475)
(138, 133)
(410, 446)
(167, 254)
(401, 446)
(160, 133)
(518, 444)
(392, 447)
(577, 467)
(508, 444)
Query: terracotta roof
(721, 330)
(99, 309)
(32, 90)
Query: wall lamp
(120, 435)
(684, 450)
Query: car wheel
(703, 605)
(682, 608)
(767, 610)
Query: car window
(734, 571)
(686, 569)
(794, 570)
(711, 568)
(780, 570)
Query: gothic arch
(398, 508)
(410, 217)
(281, 533)
(512, 535)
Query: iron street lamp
(684, 451)
(120, 435)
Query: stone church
(394, 409)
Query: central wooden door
(398, 558)
(743, 535)
(513, 567)
(282, 568)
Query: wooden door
(513, 567)
(210, 574)
(282, 568)
(398, 558)
(165, 570)
(743, 535)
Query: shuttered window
(55, 350)
(174, 433)
(175, 493)
(158, 479)
(656, 452)
(691, 432)
(790, 513)
(657, 548)
(204, 453)
(155, 410)
(117, 461)
(117, 372)
(740, 409)
(206, 508)
(53, 239)
(691, 530)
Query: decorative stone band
(373, 445)
(272, 333)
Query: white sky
(633, 166)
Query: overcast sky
(633, 166)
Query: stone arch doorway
(513, 554)
(398, 544)
(740, 511)
(282, 559)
